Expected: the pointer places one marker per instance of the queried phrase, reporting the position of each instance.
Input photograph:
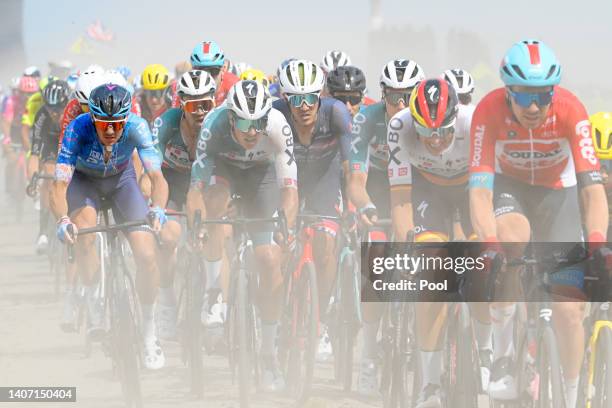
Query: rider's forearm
(195, 201)
(481, 213)
(357, 189)
(595, 209)
(401, 212)
(33, 164)
(159, 193)
(289, 203)
(57, 199)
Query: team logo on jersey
(511, 134)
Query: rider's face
(305, 115)
(109, 132)
(532, 116)
(155, 101)
(249, 139)
(402, 103)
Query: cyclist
(209, 57)
(601, 125)
(44, 147)
(368, 183)
(155, 81)
(428, 173)
(321, 132)
(531, 156)
(255, 75)
(347, 84)
(248, 147)
(94, 163)
(177, 131)
(463, 83)
(33, 104)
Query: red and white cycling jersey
(549, 156)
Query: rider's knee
(570, 314)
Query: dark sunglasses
(395, 98)
(352, 99)
(525, 99)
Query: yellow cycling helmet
(155, 77)
(255, 75)
(601, 123)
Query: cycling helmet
(87, 81)
(207, 54)
(241, 67)
(124, 70)
(283, 65)
(115, 77)
(401, 74)
(155, 77)
(334, 59)
(301, 77)
(72, 81)
(249, 100)
(460, 79)
(28, 84)
(601, 123)
(433, 103)
(93, 68)
(45, 81)
(346, 78)
(530, 63)
(110, 100)
(196, 83)
(255, 75)
(32, 71)
(56, 93)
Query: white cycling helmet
(93, 68)
(301, 77)
(115, 77)
(334, 59)
(460, 79)
(249, 100)
(401, 74)
(32, 71)
(196, 83)
(87, 81)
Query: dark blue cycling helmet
(110, 100)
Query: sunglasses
(195, 105)
(213, 71)
(244, 125)
(352, 99)
(102, 125)
(434, 132)
(297, 100)
(157, 93)
(525, 99)
(395, 98)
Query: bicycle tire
(194, 298)
(550, 390)
(467, 362)
(348, 323)
(242, 320)
(602, 397)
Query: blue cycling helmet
(110, 100)
(123, 70)
(530, 63)
(207, 54)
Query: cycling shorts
(120, 192)
(258, 190)
(435, 207)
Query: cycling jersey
(369, 141)
(552, 155)
(33, 104)
(226, 84)
(82, 151)
(14, 110)
(176, 161)
(44, 136)
(216, 143)
(407, 152)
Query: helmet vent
(551, 71)
(518, 71)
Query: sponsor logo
(583, 129)
(478, 136)
(422, 207)
(535, 155)
(511, 134)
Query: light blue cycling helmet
(207, 54)
(530, 63)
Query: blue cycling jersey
(82, 151)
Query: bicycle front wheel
(550, 390)
(602, 396)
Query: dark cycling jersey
(44, 135)
(82, 151)
(369, 144)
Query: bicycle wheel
(550, 390)
(602, 382)
(304, 327)
(242, 316)
(462, 367)
(194, 295)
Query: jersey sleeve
(281, 138)
(37, 132)
(67, 157)
(361, 134)
(341, 126)
(399, 169)
(579, 134)
(145, 144)
(482, 146)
